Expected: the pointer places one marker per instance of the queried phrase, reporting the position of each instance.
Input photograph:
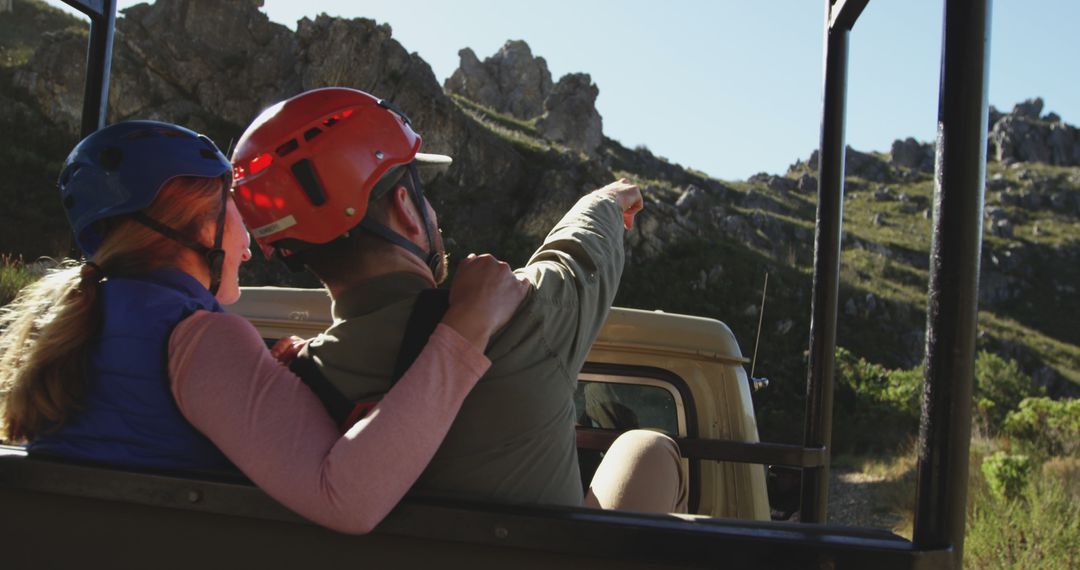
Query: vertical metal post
(952, 308)
(830, 211)
(98, 67)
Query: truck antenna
(761, 317)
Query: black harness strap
(338, 406)
(427, 311)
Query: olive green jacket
(514, 439)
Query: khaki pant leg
(640, 472)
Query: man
(328, 180)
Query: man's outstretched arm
(576, 271)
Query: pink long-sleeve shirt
(276, 431)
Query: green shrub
(904, 388)
(877, 407)
(1000, 386)
(1006, 474)
(1037, 530)
(1046, 427)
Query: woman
(129, 358)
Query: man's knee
(641, 471)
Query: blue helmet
(121, 168)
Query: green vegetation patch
(14, 275)
(21, 29)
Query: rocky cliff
(515, 83)
(525, 148)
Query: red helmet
(306, 167)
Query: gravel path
(856, 499)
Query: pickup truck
(678, 374)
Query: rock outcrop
(516, 83)
(861, 164)
(570, 114)
(512, 81)
(912, 154)
(1024, 135)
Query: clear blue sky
(733, 87)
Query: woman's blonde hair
(47, 332)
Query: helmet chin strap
(214, 256)
(431, 257)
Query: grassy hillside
(884, 267)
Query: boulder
(758, 200)
(1021, 136)
(512, 81)
(739, 229)
(781, 184)
(884, 194)
(1029, 109)
(861, 164)
(911, 154)
(807, 184)
(1002, 228)
(994, 213)
(1010, 198)
(997, 182)
(570, 115)
(694, 199)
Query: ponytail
(47, 332)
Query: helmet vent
(312, 133)
(288, 147)
(207, 154)
(111, 158)
(66, 175)
(305, 175)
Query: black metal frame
(960, 171)
(952, 307)
(102, 14)
(636, 539)
(839, 18)
(951, 326)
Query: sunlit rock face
(512, 81)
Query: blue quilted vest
(129, 416)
